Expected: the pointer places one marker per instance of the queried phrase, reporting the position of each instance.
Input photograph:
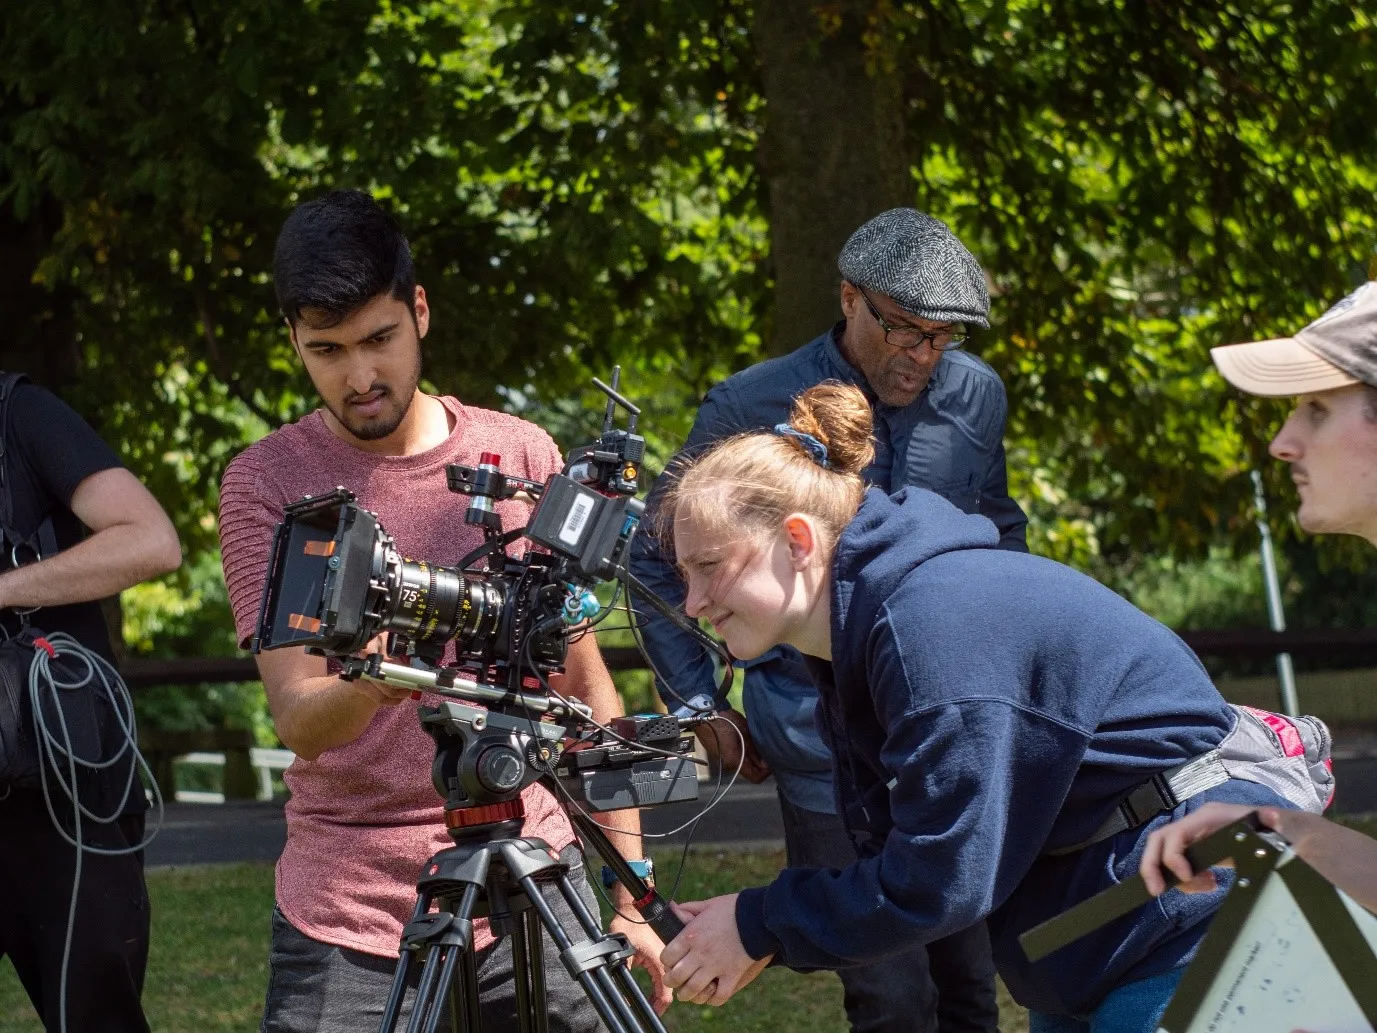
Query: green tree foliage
(189, 615)
(589, 183)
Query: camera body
(336, 580)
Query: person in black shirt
(57, 469)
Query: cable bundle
(59, 764)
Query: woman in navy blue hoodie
(989, 713)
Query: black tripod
(490, 874)
(482, 763)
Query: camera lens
(437, 602)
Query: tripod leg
(630, 989)
(443, 990)
(425, 992)
(392, 1010)
(528, 972)
(465, 1005)
(591, 974)
(535, 952)
(450, 941)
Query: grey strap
(1162, 792)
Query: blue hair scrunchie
(815, 448)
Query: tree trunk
(833, 154)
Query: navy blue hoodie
(984, 707)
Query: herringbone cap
(920, 264)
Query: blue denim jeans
(1132, 1008)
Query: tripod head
(483, 761)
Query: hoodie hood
(886, 540)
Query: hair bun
(839, 416)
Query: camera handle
(644, 898)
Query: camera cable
(95, 674)
(706, 642)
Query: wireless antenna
(614, 399)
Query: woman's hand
(706, 962)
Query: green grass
(207, 966)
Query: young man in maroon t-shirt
(363, 814)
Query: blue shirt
(949, 440)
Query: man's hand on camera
(707, 962)
(379, 692)
(725, 748)
(647, 947)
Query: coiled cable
(58, 763)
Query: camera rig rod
(444, 682)
(616, 398)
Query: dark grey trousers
(314, 987)
(946, 986)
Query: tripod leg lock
(591, 954)
(437, 929)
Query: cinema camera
(336, 582)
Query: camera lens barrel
(431, 601)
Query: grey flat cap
(919, 263)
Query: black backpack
(79, 710)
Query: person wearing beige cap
(1330, 440)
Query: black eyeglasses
(907, 337)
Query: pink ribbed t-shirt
(364, 817)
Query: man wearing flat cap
(1330, 440)
(910, 290)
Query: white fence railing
(264, 761)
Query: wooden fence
(1250, 643)
(1351, 697)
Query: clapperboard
(1286, 951)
